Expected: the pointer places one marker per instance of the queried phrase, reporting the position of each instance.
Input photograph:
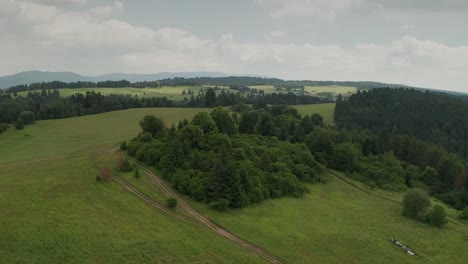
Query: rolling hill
(29, 77)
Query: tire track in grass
(158, 182)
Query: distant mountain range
(29, 77)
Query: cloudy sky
(416, 42)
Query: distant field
(325, 110)
(170, 92)
(266, 88)
(335, 89)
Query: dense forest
(231, 160)
(442, 120)
(47, 104)
(426, 130)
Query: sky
(415, 42)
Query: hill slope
(53, 211)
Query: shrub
(437, 216)
(124, 165)
(220, 205)
(105, 174)
(171, 202)
(19, 124)
(123, 146)
(98, 178)
(28, 117)
(137, 173)
(415, 203)
(464, 214)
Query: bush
(415, 203)
(28, 117)
(105, 174)
(19, 124)
(123, 146)
(124, 165)
(3, 127)
(220, 205)
(464, 214)
(98, 178)
(437, 216)
(137, 173)
(171, 202)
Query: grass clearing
(325, 110)
(334, 89)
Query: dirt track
(158, 182)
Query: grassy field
(67, 138)
(338, 223)
(325, 110)
(335, 89)
(170, 92)
(54, 211)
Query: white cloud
(40, 36)
(278, 34)
(109, 10)
(322, 9)
(408, 27)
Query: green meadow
(325, 110)
(334, 89)
(53, 211)
(339, 223)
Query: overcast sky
(415, 42)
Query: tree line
(47, 104)
(234, 81)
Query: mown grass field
(53, 211)
(170, 92)
(325, 110)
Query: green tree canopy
(415, 203)
(205, 122)
(437, 216)
(224, 121)
(152, 125)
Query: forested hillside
(435, 118)
(426, 130)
